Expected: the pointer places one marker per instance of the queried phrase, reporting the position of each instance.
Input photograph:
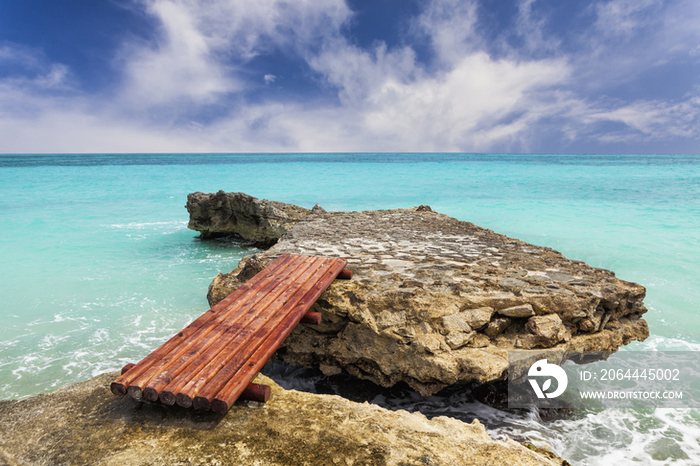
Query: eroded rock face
(435, 300)
(223, 214)
(85, 424)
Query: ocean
(97, 266)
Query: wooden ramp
(212, 361)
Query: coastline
(111, 270)
(84, 423)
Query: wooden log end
(135, 392)
(150, 394)
(118, 389)
(345, 274)
(313, 318)
(219, 406)
(201, 404)
(167, 398)
(256, 392)
(183, 400)
(126, 368)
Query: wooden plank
(151, 382)
(120, 386)
(248, 299)
(245, 373)
(254, 317)
(215, 358)
(188, 386)
(234, 324)
(254, 391)
(257, 392)
(223, 389)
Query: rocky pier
(434, 300)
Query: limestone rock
(84, 424)
(454, 323)
(479, 340)
(427, 344)
(458, 339)
(523, 310)
(391, 319)
(223, 214)
(418, 274)
(497, 326)
(478, 318)
(548, 329)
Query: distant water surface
(98, 267)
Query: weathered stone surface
(415, 268)
(523, 310)
(454, 323)
(223, 214)
(456, 340)
(497, 326)
(478, 318)
(548, 330)
(84, 424)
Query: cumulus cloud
(182, 64)
(202, 46)
(474, 104)
(464, 99)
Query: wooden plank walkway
(211, 362)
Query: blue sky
(605, 76)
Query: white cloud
(451, 26)
(18, 54)
(658, 120)
(35, 73)
(181, 66)
(531, 29)
(466, 100)
(632, 37)
(202, 45)
(626, 17)
(465, 108)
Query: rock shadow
(131, 411)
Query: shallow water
(97, 265)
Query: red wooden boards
(212, 361)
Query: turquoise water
(98, 267)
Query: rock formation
(223, 214)
(85, 424)
(435, 300)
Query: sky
(513, 76)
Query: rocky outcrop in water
(85, 424)
(435, 301)
(223, 214)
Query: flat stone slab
(435, 300)
(84, 424)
